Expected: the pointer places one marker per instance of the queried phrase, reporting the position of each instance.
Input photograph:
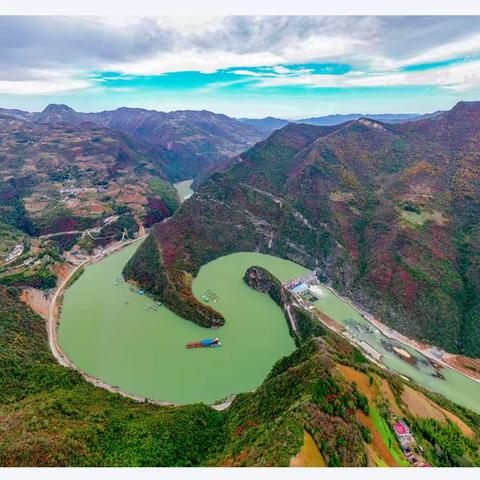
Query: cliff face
(389, 214)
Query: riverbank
(433, 353)
(54, 309)
(119, 333)
(198, 288)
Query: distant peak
(467, 104)
(58, 107)
(368, 122)
(462, 111)
(466, 107)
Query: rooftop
(401, 429)
(300, 288)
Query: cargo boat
(206, 343)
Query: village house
(402, 432)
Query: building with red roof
(402, 431)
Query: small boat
(205, 343)
(159, 304)
(141, 292)
(205, 298)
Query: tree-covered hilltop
(389, 214)
(50, 416)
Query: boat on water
(205, 343)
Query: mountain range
(60, 177)
(269, 124)
(186, 141)
(387, 213)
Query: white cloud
(275, 71)
(193, 60)
(457, 77)
(45, 83)
(312, 49)
(446, 51)
(321, 48)
(56, 54)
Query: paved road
(87, 231)
(51, 322)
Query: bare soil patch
(327, 320)
(309, 455)
(36, 300)
(421, 406)
(361, 379)
(468, 366)
(388, 395)
(62, 270)
(377, 444)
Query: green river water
(453, 385)
(113, 333)
(184, 188)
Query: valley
(129, 265)
(118, 333)
(211, 259)
(342, 199)
(308, 391)
(111, 338)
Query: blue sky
(291, 67)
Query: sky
(244, 66)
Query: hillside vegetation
(184, 143)
(49, 416)
(388, 214)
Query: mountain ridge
(361, 204)
(191, 141)
(268, 124)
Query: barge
(205, 343)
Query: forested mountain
(269, 124)
(389, 214)
(60, 177)
(185, 142)
(65, 171)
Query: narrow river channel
(184, 188)
(448, 382)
